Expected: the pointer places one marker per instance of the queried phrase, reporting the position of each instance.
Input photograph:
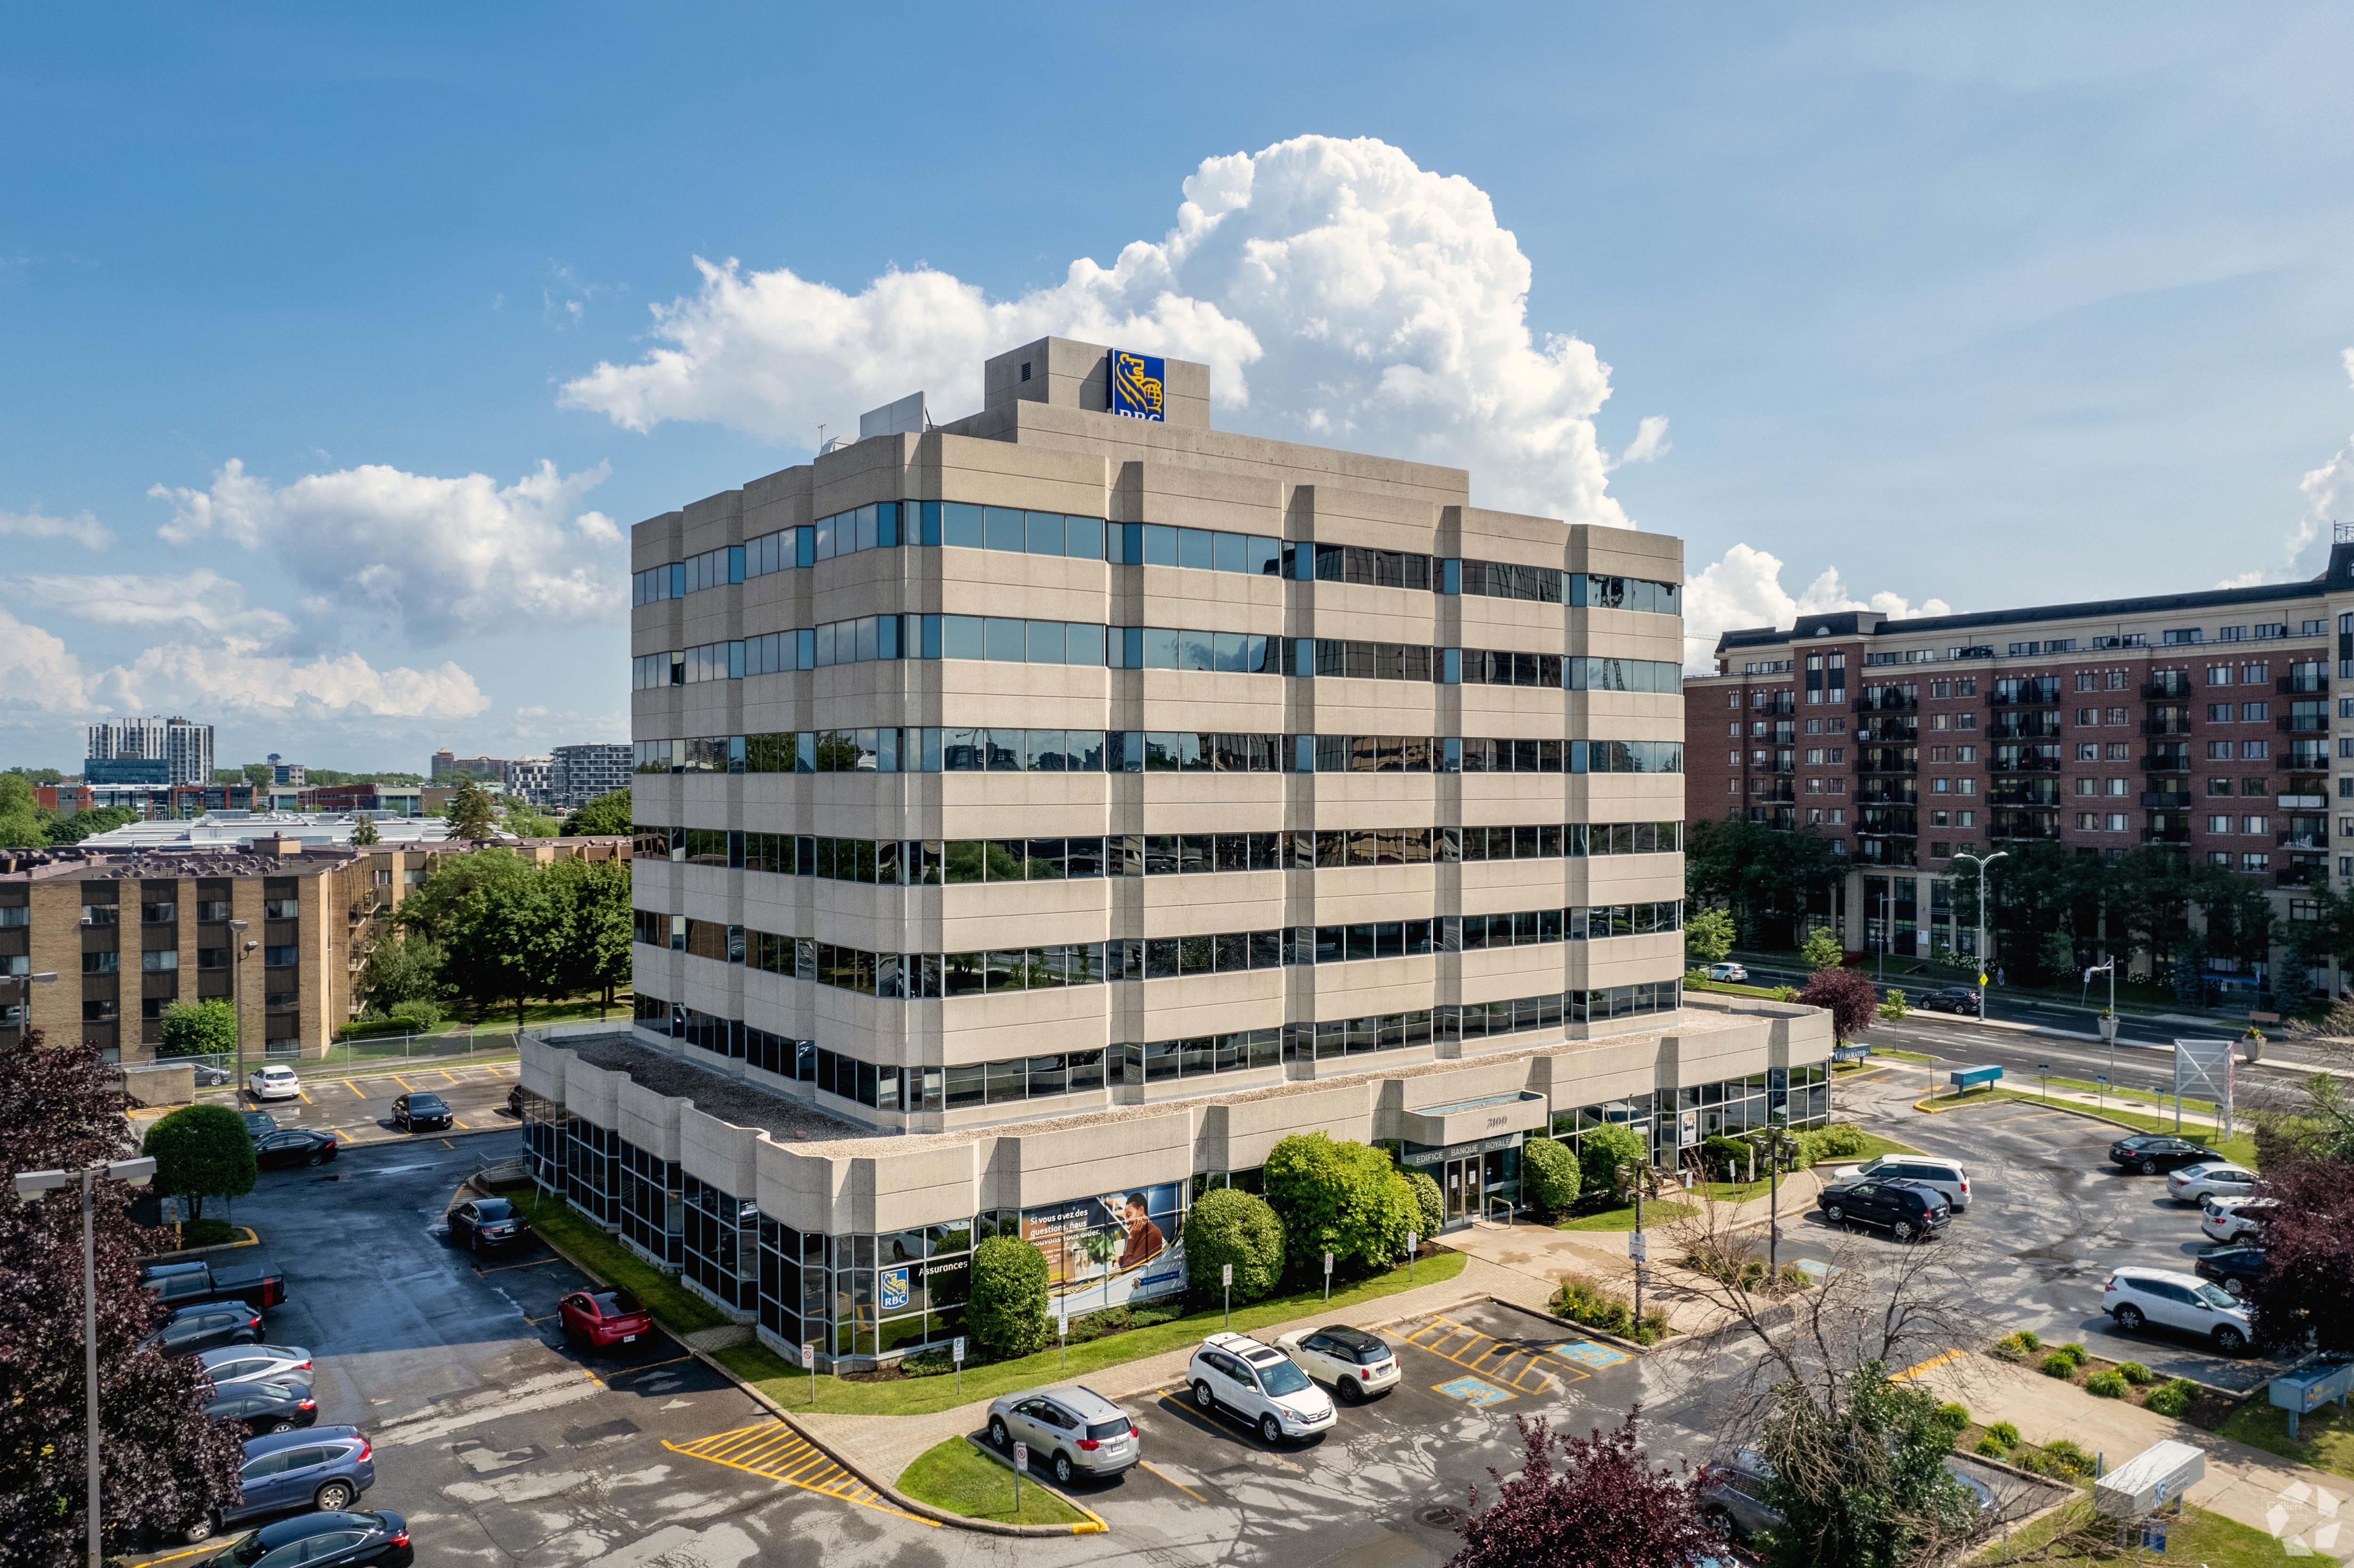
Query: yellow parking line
(306, 1097)
(447, 1144)
(447, 1074)
(462, 1123)
(1172, 1480)
(404, 1083)
(174, 1557)
(503, 1267)
(1932, 1363)
(625, 1371)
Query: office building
(531, 778)
(448, 766)
(585, 771)
(1091, 797)
(153, 801)
(2200, 721)
(184, 746)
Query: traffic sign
(1020, 1456)
(1226, 1274)
(956, 1350)
(1638, 1246)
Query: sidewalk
(2262, 1490)
(884, 1446)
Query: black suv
(420, 1112)
(1951, 999)
(208, 1326)
(2232, 1267)
(2151, 1152)
(1907, 1208)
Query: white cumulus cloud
(1340, 294)
(2329, 496)
(202, 599)
(1650, 441)
(1743, 588)
(236, 679)
(81, 527)
(38, 674)
(437, 555)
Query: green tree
(405, 966)
(1549, 1175)
(202, 1152)
(1429, 1202)
(1230, 1226)
(608, 813)
(490, 914)
(471, 813)
(260, 775)
(364, 832)
(1603, 1153)
(593, 925)
(38, 774)
(1708, 936)
(206, 1028)
(1823, 950)
(1007, 1310)
(63, 830)
(23, 823)
(1861, 1481)
(1767, 877)
(524, 822)
(1338, 1197)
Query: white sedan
(1731, 974)
(2217, 1179)
(1355, 1364)
(273, 1083)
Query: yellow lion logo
(1137, 388)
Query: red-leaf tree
(1846, 996)
(165, 1463)
(2308, 1258)
(1602, 1506)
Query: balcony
(2166, 835)
(2030, 697)
(2167, 800)
(1877, 762)
(2302, 802)
(2307, 876)
(2301, 685)
(1999, 764)
(1888, 702)
(2302, 724)
(2165, 727)
(2169, 761)
(2031, 831)
(2301, 838)
(2164, 690)
(1780, 793)
(1888, 795)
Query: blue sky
(304, 308)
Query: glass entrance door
(1462, 1187)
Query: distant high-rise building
(532, 778)
(284, 772)
(184, 745)
(490, 770)
(586, 771)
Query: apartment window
(281, 908)
(2230, 634)
(1732, 699)
(2088, 821)
(1940, 785)
(1733, 729)
(2182, 636)
(2116, 822)
(1814, 727)
(2219, 857)
(2088, 751)
(1941, 818)
(1835, 726)
(2255, 787)
(2085, 681)
(1838, 786)
(275, 957)
(2255, 712)
(2113, 715)
(2220, 675)
(100, 963)
(2315, 629)
(1967, 687)
(2255, 750)
(1838, 816)
(1941, 754)
(1966, 754)
(1965, 819)
(2113, 681)
(1965, 721)
(2117, 751)
(1941, 688)
(162, 912)
(163, 961)
(2219, 751)
(1814, 786)
(2117, 787)
(1814, 757)
(1968, 787)
(2255, 824)
(2251, 862)
(2219, 787)
(2088, 718)
(2088, 785)
(2256, 675)
(1941, 721)
(1733, 786)
(2218, 825)
(2219, 713)
(1838, 755)
(1814, 817)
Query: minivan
(1945, 1175)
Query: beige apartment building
(1082, 797)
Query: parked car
(259, 1124)
(324, 1540)
(420, 1112)
(2229, 1220)
(262, 1407)
(1958, 998)
(2196, 1183)
(1259, 1383)
(1355, 1362)
(1071, 1431)
(257, 1364)
(514, 1102)
(2136, 1298)
(208, 1077)
(325, 1468)
(294, 1145)
(274, 1082)
(207, 1327)
(258, 1284)
(1945, 1175)
(2151, 1152)
(1731, 974)
(603, 1318)
(1907, 1209)
(2232, 1267)
(487, 1222)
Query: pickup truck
(258, 1285)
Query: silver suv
(1259, 1382)
(1071, 1431)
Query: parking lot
(358, 1109)
(2050, 1218)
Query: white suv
(2170, 1299)
(1257, 1383)
(2235, 1219)
(1945, 1175)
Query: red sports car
(603, 1318)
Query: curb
(1580, 1329)
(899, 1499)
(1153, 1385)
(249, 1238)
(1095, 1524)
(1924, 1107)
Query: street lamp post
(1775, 1120)
(237, 1002)
(1982, 863)
(25, 984)
(30, 1184)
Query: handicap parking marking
(1477, 1393)
(1816, 1268)
(1586, 1353)
(1514, 1362)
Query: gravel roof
(727, 1098)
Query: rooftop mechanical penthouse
(1064, 770)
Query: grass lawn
(1903, 1055)
(2197, 1536)
(2324, 1437)
(2241, 1149)
(1769, 993)
(680, 1311)
(956, 1477)
(790, 1386)
(1872, 1144)
(1658, 1211)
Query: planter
(2108, 1029)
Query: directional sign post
(1412, 1242)
(1020, 1463)
(1328, 1280)
(1063, 1331)
(2044, 1069)
(809, 1360)
(1226, 1278)
(955, 1354)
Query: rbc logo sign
(1135, 385)
(895, 1288)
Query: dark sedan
(208, 1326)
(2232, 1267)
(420, 1112)
(1951, 999)
(2151, 1152)
(259, 1124)
(261, 1407)
(487, 1222)
(294, 1145)
(325, 1541)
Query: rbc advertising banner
(1103, 1251)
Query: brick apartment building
(2199, 720)
(128, 935)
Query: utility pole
(25, 984)
(2109, 1020)
(1982, 942)
(1775, 1119)
(237, 1003)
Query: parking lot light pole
(1776, 1120)
(30, 1184)
(1982, 863)
(236, 1004)
(25, 984)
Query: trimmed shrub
(207, 1232)
(1340, 1197)
(1228, 1225)
(1839, 1138)
(2136, 1374)
(1007, 1312)
(2059, 1365)
(2075, 1352)
(2004, 1433)
(1549, 1177)
(1990, 1447)
(2066, 1459)
(2173, 1396)
(1727, 1159)
(2110, 1384)
(1583, 1302)
(1601, 1151)
(1954, 1418)
(1427, 1201)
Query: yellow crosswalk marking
(772, 1449)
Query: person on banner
(1145, 1241)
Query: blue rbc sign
(895, 1288)
(1137, 383)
